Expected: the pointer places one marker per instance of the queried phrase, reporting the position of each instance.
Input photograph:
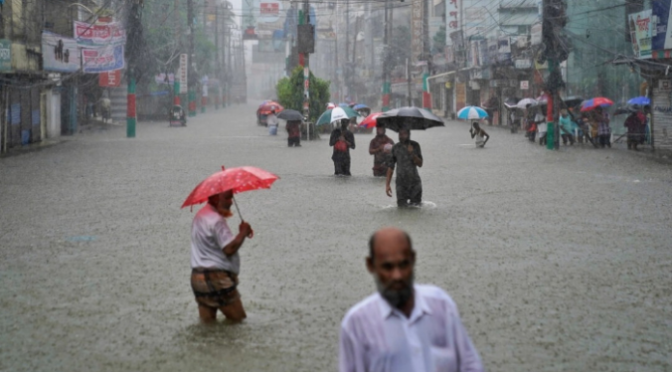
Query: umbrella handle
(238, 209)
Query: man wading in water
(407, 156)
(214, 260)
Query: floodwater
(558, 261)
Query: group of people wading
(405, 156)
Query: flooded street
(558, 261)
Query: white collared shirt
(378, 338)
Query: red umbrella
(235, 179)
(267, 107)
(596, 102)
(370, 121)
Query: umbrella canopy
(472, 112)
(409, 117)
(360, 106)
(337, 113)
(542, 99)
(292, 115)
(596, 102)
(525, 102)
(330, 105)
(511, 102)
(370, 121)
(641, 101)
(573, 101)
(235, 179)
(269, 106)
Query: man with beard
(380, 147)
(214, 260)
(342, 140)
(404, 326)
(407, 156)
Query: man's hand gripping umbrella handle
(251, 234)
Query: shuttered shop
(662, 118)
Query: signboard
(109, 33)
(269, 11)
(60, 53)
(103, 59)
(452, 17)
(523, 64)
(417, 23)
(110, 79)
(641, 30)
(662, 35)
(161, 79)
(5, 55)
(525, 85)
(182, 73)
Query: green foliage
(290, 93)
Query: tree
(290, 93)
(439, 41)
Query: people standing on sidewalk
(214, 260)
(481, 136)
(407, 157)
(293, 133)
(567, 127)
(381, 148)
(603, 128)
(635, 128)
(272, 123)
(403, 326)
(342, 140)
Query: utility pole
(426, 98)
(386, 55)
(191, 76)
(134, 50)
(346, 70)
(306, 70)
(178, 36)
(408, 82)
(218, 62)
(556, 51)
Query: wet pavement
(558, 261)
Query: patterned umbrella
(472, 112)
(238, 180)
(595, 102)
(335, 114)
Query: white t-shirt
(209, 234)
(272, 120)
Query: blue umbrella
(360, 106)
(642, 101)
(472, 112)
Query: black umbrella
(290, 115)
(573, 101)
(409, 117)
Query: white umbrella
(338, 114)
(527, 102)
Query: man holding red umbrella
(214, 259)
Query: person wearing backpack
(342, 140)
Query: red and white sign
(109, 33)
(110, 79)
(182, 73)
(524, 85)
(269, 8)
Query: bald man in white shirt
(404, 326)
